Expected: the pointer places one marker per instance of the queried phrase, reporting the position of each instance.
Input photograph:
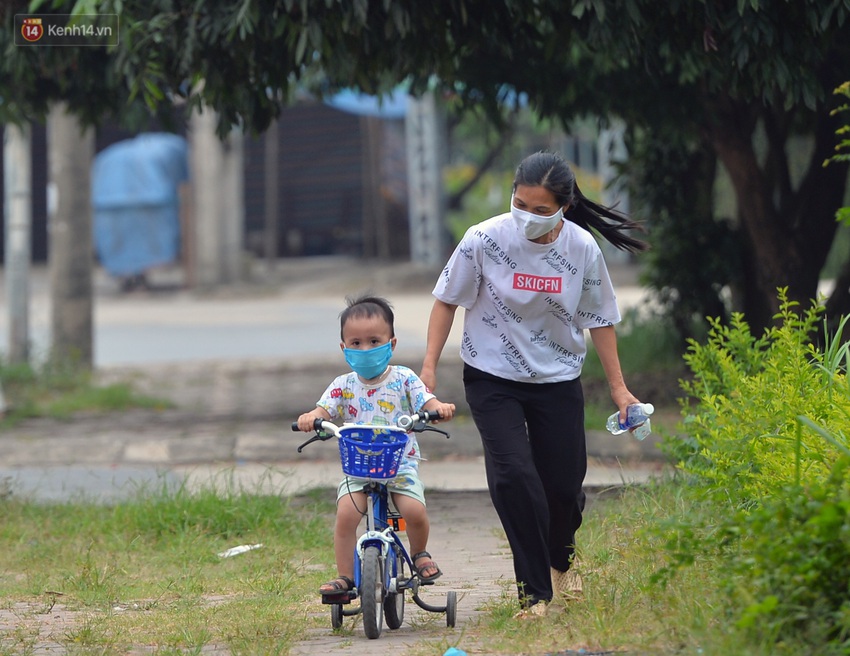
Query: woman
(531, 281)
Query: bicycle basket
(371, 451)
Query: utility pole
(70, 150)
(612, 151)
(217, 201)
(424, 132)
(204, 172)
(232, 206)
(17, 167)
(271, 169)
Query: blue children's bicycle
(383, 570)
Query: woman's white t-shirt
(527, 304)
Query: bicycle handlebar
(320, 426)
(417, 423)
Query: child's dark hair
(367, 306)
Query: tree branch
(455, 200)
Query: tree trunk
(764, 268)
(70, 243)
(17, 167)
(788, 231)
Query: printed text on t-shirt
(527, 282)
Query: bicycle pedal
(342, 598)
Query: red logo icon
(32, 29)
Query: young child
(376, 392)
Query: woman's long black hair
(552, 172)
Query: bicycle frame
(379, 552)
(377, 511)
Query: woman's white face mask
(534, 225)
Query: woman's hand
(429, 377)
(605, 340)
(439, 326)
(623, 398)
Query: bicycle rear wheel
(394, 609)
(394, 602)
(372, 592)
(451, 608)
(336, 616)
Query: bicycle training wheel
(336, 616)
(372, 592)
(451, 608)
(394, 602)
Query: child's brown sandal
(429, 564)
(339, 586)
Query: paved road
(468, 543)
(288, 313)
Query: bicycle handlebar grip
(430, 415)
(317, 425)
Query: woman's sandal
(539, 609)
(340, 585)
(429, 564)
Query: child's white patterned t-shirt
(349, 400)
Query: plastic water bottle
(637, 421)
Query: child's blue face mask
(369, 364)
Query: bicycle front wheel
(372, 592)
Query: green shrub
(742, 404)
(789, 569)
(767, 458)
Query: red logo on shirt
(537, 283)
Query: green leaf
(825, 434)
(153, 90)
(361, 10)
(86, 8)
(301, 46)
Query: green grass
(146, 571)
(60, 392)
(626, 609)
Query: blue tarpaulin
(136, 203)
(390, 105)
